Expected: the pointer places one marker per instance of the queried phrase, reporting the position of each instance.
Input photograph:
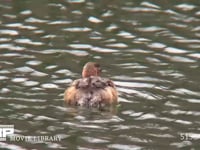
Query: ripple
(100, 121)
(150, 5)
(172, 104)
(194, 136)
(35, 20)
(26, 12)
(132, 113)
(11, 146)
(49, 36)
(192, 100)
(165, 136)
(122, 127)
(60, 22)
(28, 41)
(34, 62)
(135, 139)
(146, 116)
(78, 52)
(175, 50)
(49, 86)
(126, 34)
(94, 140)
(183, 91)
(5, 71)
(39, 74)
(178, 121)
(91, 126)
(80, 46)
(157, 45)
(24, 69)
(28, 115)
(41, 118)
(128, 91)
(62, 81)
(94, 20)
(140, 9)
(185, 7)
(53, 51)
(3, 78)
(178, 25)
(151, 79)
(11, 47)
(17, 80)
(21, 26)
(124, 100)
(18, 106)
(5, 39)
(108, 13)
(54, 145)
(9, 32)
(130, 65)
(23, 99)
(117, 45)
(171, 73)
(141, 40)
(183, 122)
(197, 13)
(51, 67)
(9, 16)
(30, 83)
(181, 112)
(77, 29)
(104, 50)
(74, 52)
(64, 71)
(195, 55)
(150, 29)
(181, 59)
(112, 27)
(75, 1)
(122, 146)
(182, 144)
(133, 84)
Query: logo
(5, 131)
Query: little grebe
(91, 90)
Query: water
(149, 48)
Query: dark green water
(151, 49)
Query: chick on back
(91, 90)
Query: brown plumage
(91, 90)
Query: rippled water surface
(151, 49)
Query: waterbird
(91, 90)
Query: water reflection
(150, 49)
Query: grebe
(91, 90)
